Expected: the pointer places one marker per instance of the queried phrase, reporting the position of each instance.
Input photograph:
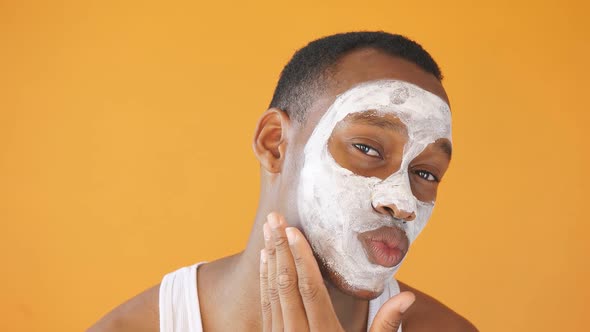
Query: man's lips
(385, 246)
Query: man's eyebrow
(445, 146)
(374, 119)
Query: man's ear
(270, 141)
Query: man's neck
(229, 287)
(352, 312)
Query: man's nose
(392, 210)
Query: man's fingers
(264, 300)
(318, 306)
(294, 318)
(273, 292)
(389, 317)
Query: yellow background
(125, 133)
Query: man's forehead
(365, 65)
(405, 100)
(383, 103)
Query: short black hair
(306, 74)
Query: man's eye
(427, 176)
(367, 150)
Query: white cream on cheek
(335, 205)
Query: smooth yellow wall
(125, 153)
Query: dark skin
(231, 286)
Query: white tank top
(179, 301)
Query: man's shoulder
(428, 314)
(139, 313)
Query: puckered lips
(385, 246)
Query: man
(352, 149)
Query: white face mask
(335, 205)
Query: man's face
(367, 185)
(369, 171)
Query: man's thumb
(389, 317)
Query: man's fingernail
(406, 304)
(266, 232)
(291, 235)
(273, 220)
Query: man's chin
(337, 281)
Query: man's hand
(292, 290)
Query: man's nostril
(388, 210)
(392, 211)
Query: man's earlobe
(270, 139)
